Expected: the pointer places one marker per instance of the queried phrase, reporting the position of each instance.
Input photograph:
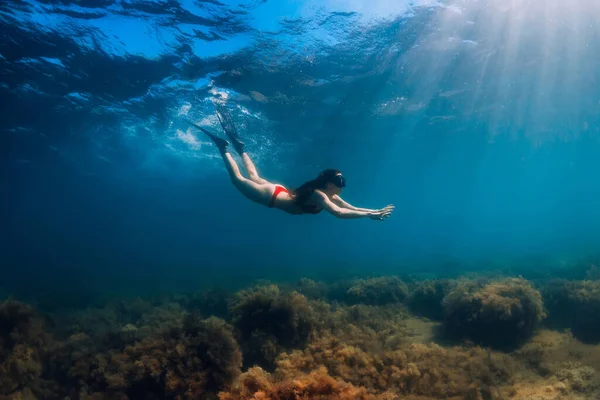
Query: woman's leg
(255, 191)
(229, 127)
(249, 166)
(259, 192)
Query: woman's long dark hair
(303, 192)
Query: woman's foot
(221, 143)
(229, 128)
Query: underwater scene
(300, 199)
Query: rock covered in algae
(258, 384)
(575, 305)
(426, 299)
(268, 322)
(23, 346)
(430, 371)
(501, 314)
(312, 289)
(209, 302)
(194, 359)
(377, 291)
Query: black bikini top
(310, 208)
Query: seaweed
(502, 314)
(279, 345)
(24, 344)
(377, 291)
(312, 289)
(574, 305)
(427, 297)
(192, 358)
(268, 322)
(209, 302)
(416, 369)
(259, 384)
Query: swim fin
(229, 127)
(221, 144)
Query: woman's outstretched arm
(346, 213)
(343, 204)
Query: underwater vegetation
(193, 358)
(24, 345)
(372, 291)
(426, 299)
(268, 322)
(212, 301)
(475, 339)
(377, 291)
(575, 305)
(501, 314)
(259, 384)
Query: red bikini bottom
(278, 189)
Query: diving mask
(339, 181)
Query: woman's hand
(389, 207)
(383, 213)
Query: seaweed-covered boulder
(501, 314)
(574, 305)
(269, 322)
(426, 299)
(408, 371)
(209, 302)
(312, 289)
(199, 358)
(259, 384)
(110, 326)
(377, 291)
(193, 359)
(24, 345)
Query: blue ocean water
(477, 120)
